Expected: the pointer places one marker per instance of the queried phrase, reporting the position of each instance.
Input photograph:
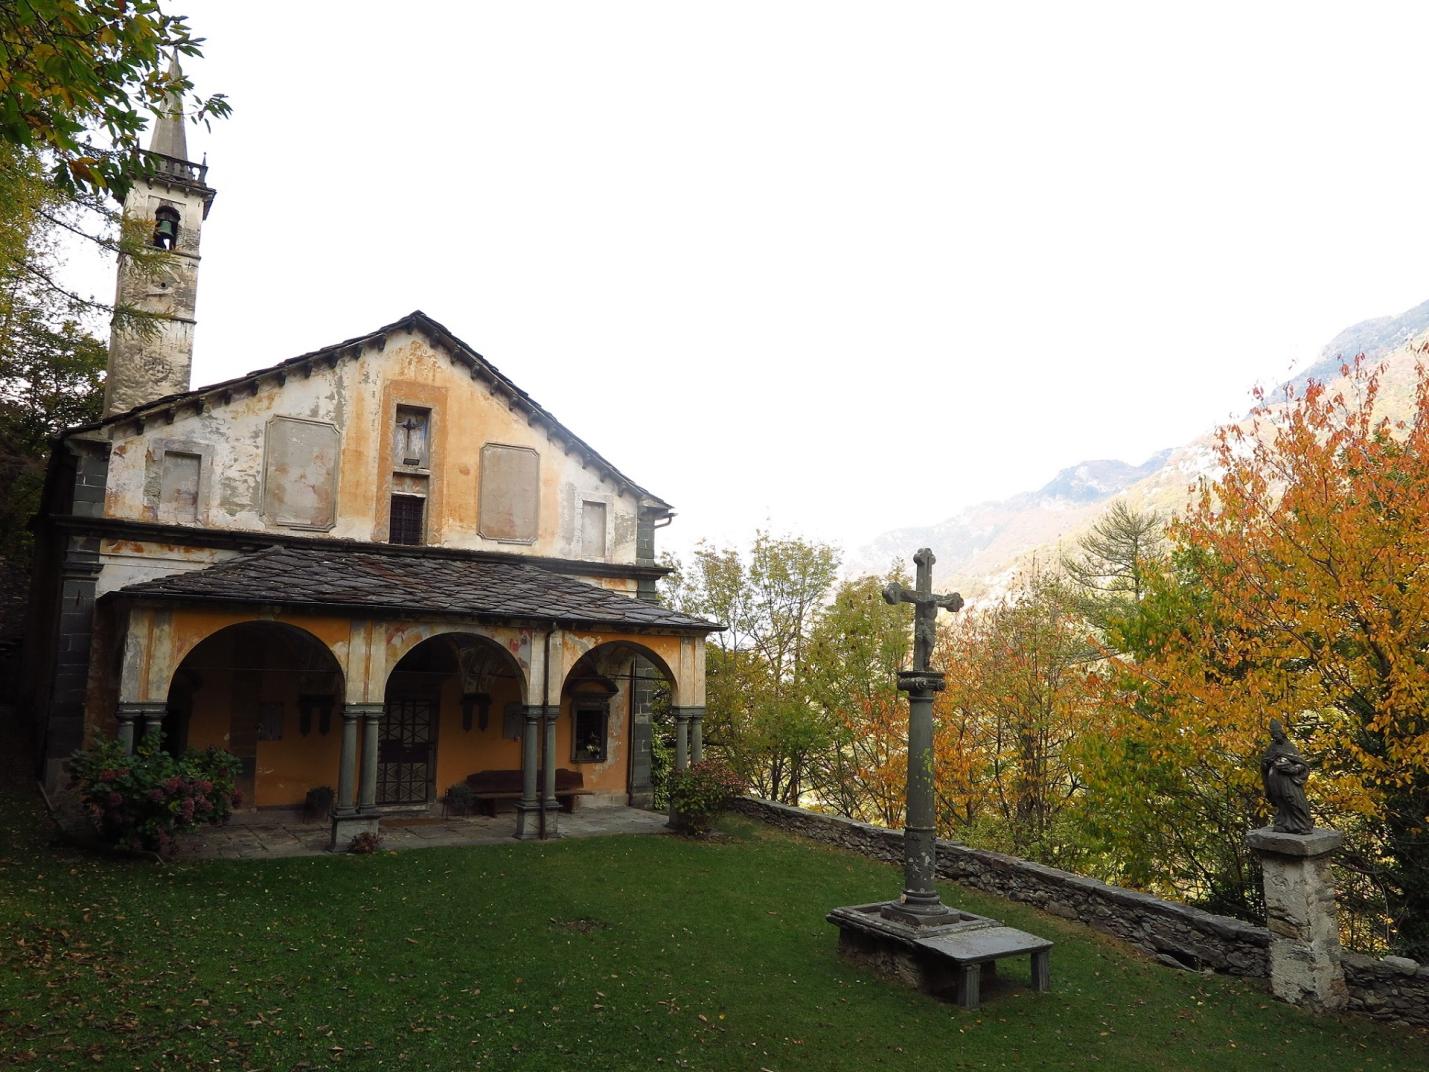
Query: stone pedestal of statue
(1300, 912)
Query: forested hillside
(1107, 709)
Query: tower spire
(169, 138)
(172, 197)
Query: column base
(528, 821)
(551, 810)
(346, 825)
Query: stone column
(920, 903)
(131, 715)
(347, 820)
(371, 729)
(127, 714)
(697, 733)
(682, 737)
(528, 808)
(1300, 912)
(347, 764)
(550, 806)
(682, 749)
(153, 715)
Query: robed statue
(1284, 772)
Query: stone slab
(989, 943)
(1315, 843)
(876, 919)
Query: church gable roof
(417, 322)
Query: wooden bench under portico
(489, 786)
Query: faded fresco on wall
(300, 473)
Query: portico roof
(382, 584)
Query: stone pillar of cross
(920, 902)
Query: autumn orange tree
(1017, 700)
(1304, 575)
(855, 652)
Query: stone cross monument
(917, 939)
(920, 903)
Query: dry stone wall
(1178, 935)
(1395, 988)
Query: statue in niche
(1284, 772)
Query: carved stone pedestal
(1300, 912)
(346, 825)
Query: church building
(379, 567)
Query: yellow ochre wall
(160, 639)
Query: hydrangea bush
(700, 792)
(145, 799)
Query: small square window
(588, 738)
(407, 515)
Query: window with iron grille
(406, 524)
(589, 733)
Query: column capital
(144, 711)
(1268, 841)
(366, 709)
(687, 713)
(538, 711)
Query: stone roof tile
(373, 581)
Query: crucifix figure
(920, 903)
(410, 425)
(925, 603)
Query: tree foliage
(71, 71)
(757, 706)
(856, 650)
(1112, 565)
(1302, 597)
(1016, 705)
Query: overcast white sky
(831, 267)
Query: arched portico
(267, 691)
(454, 704)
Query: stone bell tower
(171, 203)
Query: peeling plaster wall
(357, 398)
(124, 562)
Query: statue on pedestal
(1284, 771)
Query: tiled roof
(323, 578)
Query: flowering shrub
(145, 799)
(700, 792)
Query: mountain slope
(981, 538)
(979, 548)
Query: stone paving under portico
(257, 836)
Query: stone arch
(454, 704)
(605, 727)
(413, 638)
(190, 643)
(269, 692)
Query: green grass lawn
(615, 953)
